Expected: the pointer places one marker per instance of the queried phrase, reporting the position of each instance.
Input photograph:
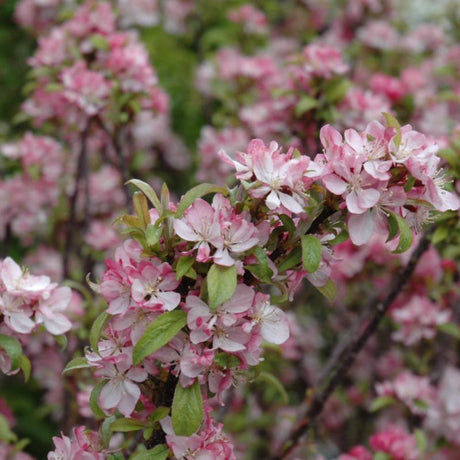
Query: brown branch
(122, 164)
(81, 172)
(356, 343)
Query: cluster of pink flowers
(85, 66)
(415, 392)
(29, 194)
(253, 20)
(83, 444)
(359, 168)
(392, 441)
(27, 301)
(38, 16)
(418, 319)
(210, 442)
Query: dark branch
(81, 172)
(356, 343)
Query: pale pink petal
(360, 227)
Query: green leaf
(381, 402)
(305, 104)
(13, 350)
(52, 87)
(382, 456)
(116, 456)
(311, 253)
(226, 360)
(221, 285)
(106, 432)
(187, 409)
(450, 329)
(391, 121)
(288, 223)
(142, 208)
(336, 90)
(198, 192)
(148, 192)
(159, 333)
(421, 440)
(61, 341)
(405, 233)
(292, 260)
(127, 424)
(275, 383)
(440, 234)
(340, 238)
(329, 290)
(261, 270)
(6, 434)
(76, 363)
(96, 329)
(94, 400)
(26, 367)
(393, 227)
(153, 235)
(159, 414)
(159, 452)
(184, 264)
(99, 42)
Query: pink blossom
(153, 286)
(50, 311)
(396, 442)
(86, 88)
(80, 447)
(418, 319)
(202, 227)
(121, 391)
(414, 391)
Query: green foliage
(311, 253)
(221, 285)
(187, 409)
(159, 333)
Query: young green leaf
(148, 191)
(13, 350)
(275, 383)
(96, 329)
(142, 208)
(184, 264)
(329, 290)
(94, 400)
(152, 235)
(159, 333)
(26, 367)
(292, 260)
(6, 434)
(305, 104)
(405, 233)
(159, 452)
(381, 402)
(187, 409)
(221, 285)
(127, 424)
(451, 329)
(311, 253)
(76, 363)
(391, 121)
(198, 192)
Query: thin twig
(81, 166)
(115, 139)
(355, 344)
